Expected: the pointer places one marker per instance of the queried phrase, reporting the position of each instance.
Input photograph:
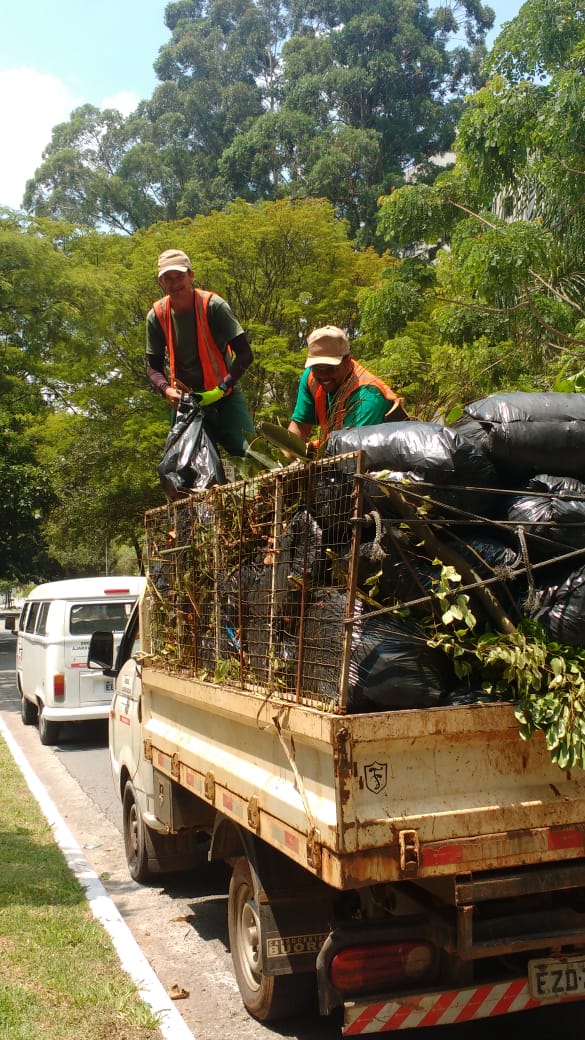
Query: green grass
(60, 977)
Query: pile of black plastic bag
(502, 493)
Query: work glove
(206, 397)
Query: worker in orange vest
(207, 351)
(336, 391)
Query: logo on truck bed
(376, 775)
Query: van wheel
(48, 731)
(266, 997)
(28, 711)
(135, 836)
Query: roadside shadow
(83, 736)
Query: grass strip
(60, 977)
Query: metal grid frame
(253, 584)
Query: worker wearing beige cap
(206, 349)
(336, 392)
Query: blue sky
(58, 54)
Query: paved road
(182, 927)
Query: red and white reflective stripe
(438, 1009)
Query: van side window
(42, 621)
(86, 618)
(32, 617)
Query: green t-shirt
(366, 406)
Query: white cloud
(125, 102)
(35, 102)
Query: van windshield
(86, 618)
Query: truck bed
(364, 799)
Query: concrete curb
(132, 959)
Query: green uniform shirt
(224, 327)
(366, 406)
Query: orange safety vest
(335, 419)
(213, 363)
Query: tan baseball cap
(327, 346)
(173, 260)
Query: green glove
(209, 396)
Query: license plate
(557, 977)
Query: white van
(52, 641)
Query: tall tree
(264, 99)
(510, 290)
(73, 304)
(26, 499)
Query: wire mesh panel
(252, 583)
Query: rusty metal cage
(253, 583)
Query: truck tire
(266, 997)
(28, 711)
(48, 731)
(135, 836)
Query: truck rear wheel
(266, 997)
(135, 836)
(48, 731)
(28, 711)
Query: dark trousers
(229, 423)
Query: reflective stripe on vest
(212, 361)
(335, 420)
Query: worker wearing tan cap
(195, 343)
(336, 392)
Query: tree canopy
(262, 99)
(475, 283)
(82, 430)
(503, 290)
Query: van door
(84, 686)
(30, 650)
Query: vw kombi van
(52, 640)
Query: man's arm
(302, 430)
(155, 361)
(243, 358)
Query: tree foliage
(303, 112)
(83, 430)
(544, 679)
(507, 224)
(262, 99)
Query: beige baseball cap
(327, 346)
(173, 260)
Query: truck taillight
(367, 968)
(58, 686)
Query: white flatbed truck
(419, 867)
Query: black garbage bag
(523, 406)
(430, 451)
(333, 505)
(190, 460)
(531, 433)
(393, 669)
(458, 500)
(473, 432)
(491, 558)
(397, 575)
(553, 511)
(560, 606)
(391, 666)
(271, 593)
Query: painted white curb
(132, 959)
